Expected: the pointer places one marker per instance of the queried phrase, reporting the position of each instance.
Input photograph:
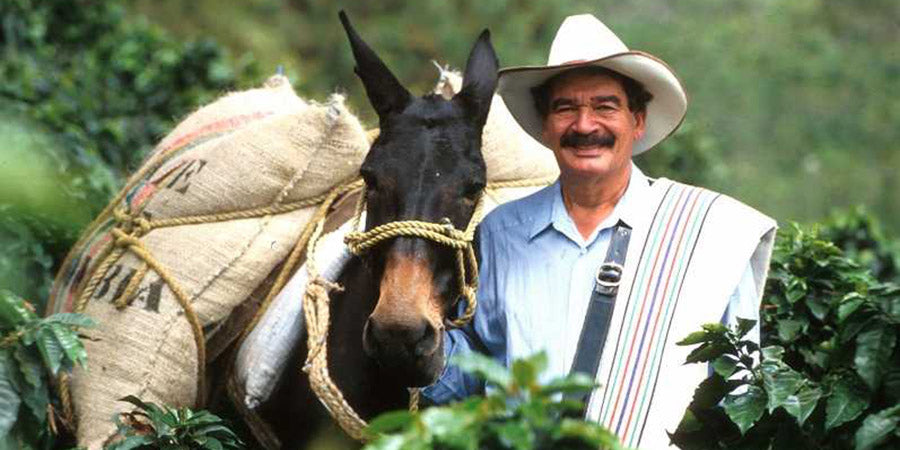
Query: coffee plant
(828, 374)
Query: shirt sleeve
(484, 334)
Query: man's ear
(386, 94)
(480, 79)
(640, 124)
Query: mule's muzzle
(409, 352)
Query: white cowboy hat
(583, 40)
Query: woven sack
(218, 204)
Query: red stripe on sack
(230, 122)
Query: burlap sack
(219, 203)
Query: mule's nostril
(427, 344)
(416, 339)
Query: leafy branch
(33, 349)
(152, 426)
(829, 375)
(518, 413)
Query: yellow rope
(316, 312)
(123, 301)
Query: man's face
(589, 126)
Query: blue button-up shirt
(536, 276)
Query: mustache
(573, 139)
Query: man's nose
(584, 121)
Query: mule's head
(425, 165)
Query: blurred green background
(792, 106)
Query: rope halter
(444, 233)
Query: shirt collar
(552, 210)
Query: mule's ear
(386, 94)
(480, 79)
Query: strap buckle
(608, 277)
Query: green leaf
(51, 351)
(744, 326)
(590, 433)
(71, 319)
(847, 401)
(877, 428)
(746, 408)
(13, 312)
(29, 366)
(710, 392)
(817, 306)
(37, 399)
(524, 372)
(389, 422)
(70, 344)
(212, 444)
(873, 352)
(724, 365)
(788, 329)
(575, 383)
(695, 338)
(780, 382)
(715, 328)
(485, 367)
(772, 352)
(388, 442)
(849, 304)
(132, 442)
(516, 434)
(9, 398)
(802, 405)
(707, 352)
(447, 425)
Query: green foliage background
(790, 105)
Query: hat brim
(664, 113)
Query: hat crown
(583, 38)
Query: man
(606, 269)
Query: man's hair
(638, 96)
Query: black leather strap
(600, 309)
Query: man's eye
(564, 110)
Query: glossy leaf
(13, 312)
(51, 351)
(802, 404)
(877, 428)
(485, 367)
(70, 344)
(780, 382)
(847, 401)
(746, 408)
(724, 365)
(71, 319)
(873, 352)
(9, 396)
(390, 421)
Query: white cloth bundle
(264, 353)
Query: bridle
(443, 233)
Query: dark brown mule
(387, 325)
